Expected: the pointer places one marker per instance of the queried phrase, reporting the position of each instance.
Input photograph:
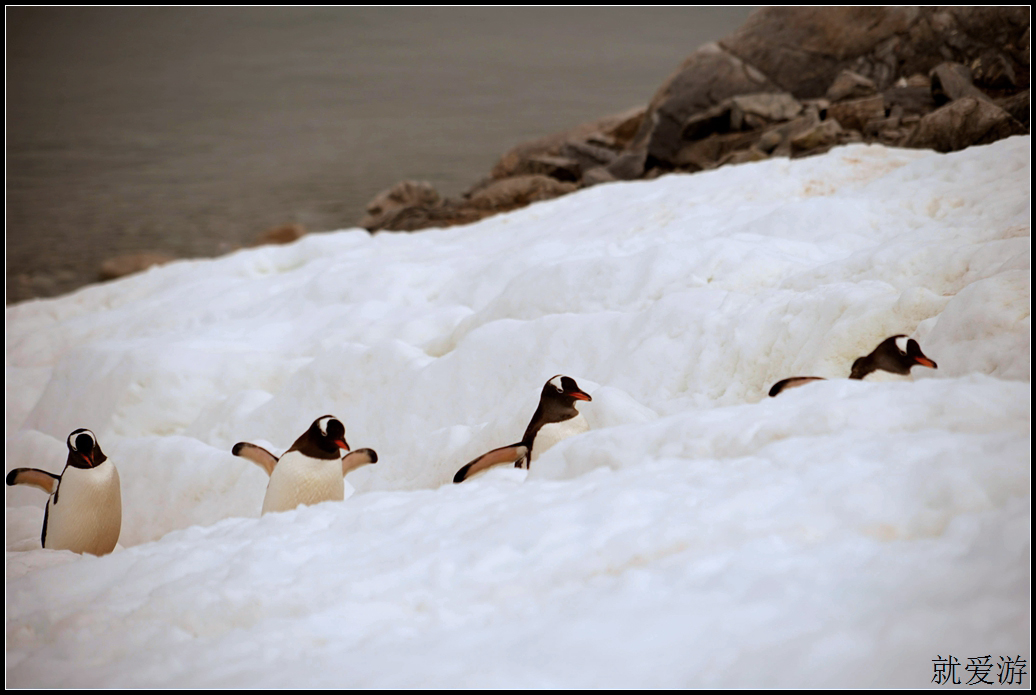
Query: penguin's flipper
(792, 382)
(505, 454)
(48, 482)
(360, 457)
(257, 455)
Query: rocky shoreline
(791, 82)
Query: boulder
(709, 76)
(404, 194)
(952, 81)
(963, 123)
(518, 191)
(857, 113)
(850, 85)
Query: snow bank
(845, 533)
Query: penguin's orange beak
(342, 444)
(580, 396)
(925, 362)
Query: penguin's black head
(83, 449)
(565, 389)
(328, 434)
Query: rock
(628, 166)
(130, 263)
(285, 234)
(445, 214)
(518, 191)
(703, 81)
(952, 81)
(963, 123)
(850, 85)
(916, 100)
(708, 152)
(752, 154)
(560, 168)
(993, 70)
(856, 113)
(1017, 106)
(822, 135)
(803, 49)
(596, 175)
(402, 195)
(588, 155)
(615, 130)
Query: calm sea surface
(192, 131)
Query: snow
(701, 534)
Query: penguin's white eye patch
(81, 439)
(901, 343)
(322, 424)
(556, 383)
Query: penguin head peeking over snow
(895, 355)
(556, 418)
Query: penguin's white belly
(298, 479)
(84, 515)
(554, 432)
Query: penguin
(84, 512)
(312, 470)
(556, 418)
(895, 355)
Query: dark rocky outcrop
(792, 81)
(129, 263)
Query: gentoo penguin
(84, 512)
(556, 418)
(312, 470)
(895, 355)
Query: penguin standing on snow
(556, 418)
(84, 512)
(895, 355)
(312, 470)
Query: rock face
(792, 81)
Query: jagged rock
(952, 81)
(628, 166)
(850, 85)
(285, 234)
(911, 99)
(752, 154)
(707, 153)
(963, 123)
(993, 70)
(612, 130)
(445, 214)
(1017, 106)
(588, 155)
(519, 191)
(856, 113)
(129, 263)
(803, 49)
(704, 80)
(560, 168)
(596, 175)
(822, 135)
(404, 194)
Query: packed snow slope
(845, 533)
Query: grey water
(191, 131)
